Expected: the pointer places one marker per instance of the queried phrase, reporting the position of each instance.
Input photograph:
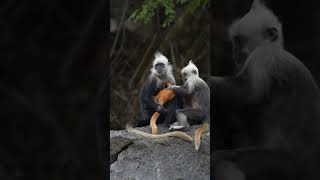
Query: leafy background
(178, 29)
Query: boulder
(139, 158)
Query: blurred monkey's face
(160, 68)
(189, 71)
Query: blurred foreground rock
(134, 157)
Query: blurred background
(300, 21)
(300, 29)
(133, 44)
(53, 58)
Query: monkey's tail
(153, 121)
(197, 135)
(177, 134)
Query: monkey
(196, 107)
(277, 90)
(162, 97)
(161, 74)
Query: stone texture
(137, 158)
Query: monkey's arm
(179, 90)
(236, 91)
(148, 99)
(264, 68)
(147, 94)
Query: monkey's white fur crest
(192, 80)
(259, 15)
(160, 58)
(189, 69)
(168, 75)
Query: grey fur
(280, 99)
(196, 95)
(151, 87)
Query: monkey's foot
(172, 127)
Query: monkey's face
(240, 49)
(160, 68)
(244, 44)
(258, 27)
(189, 71)
(161, 65)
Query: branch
(120, 28)
(144, 59)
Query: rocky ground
(134, 157)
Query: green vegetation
(149, 8)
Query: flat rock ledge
(133, 157)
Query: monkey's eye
(184, 74)
(271, 34)
(194, 72)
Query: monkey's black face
(240, 51)
(244, 44)
(256, 28)
(160, 68)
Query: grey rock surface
(137, 158)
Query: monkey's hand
(167, 84)
(173, 87)
(161, 109)
(179, 90)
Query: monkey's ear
(190, 62)
(256, 3)
(271, 34)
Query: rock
(138, 158)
